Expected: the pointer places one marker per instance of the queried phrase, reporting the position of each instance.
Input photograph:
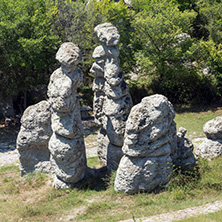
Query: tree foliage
(27, 44)
(169, 43)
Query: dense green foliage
(173, 46)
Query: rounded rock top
(213, 128)
(108, 34)
(68, 54)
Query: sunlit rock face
(33, 138)
(147, 163)
(212, 145)
(66, 144)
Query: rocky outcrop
(213, 128)
(33, 138)
(212, 145)
(185, 158)
(66, 143)
(147, 162)
(112, 101)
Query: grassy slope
(32, 198)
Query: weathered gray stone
(114, 155)
(102, 147)
(173, 141)
(112, 102)
(68, 55)
(99, 52)
(113, 73)
(209, 149)
(98, 85)
(147, 162)
(115, 129)
(33, 137)
(142, 174)
(118, 107)
(185, 157)
(107, 34)
(61, 87)
(97, 69)
(68, 157)
(213, 128)
(98, 104)
(116, 92)
(66, 145)
(67, 125)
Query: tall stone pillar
(66, 144)
(112, 101)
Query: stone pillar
(146, 164)
(33, 138)
(112, 101)
(185, 157)
(66, 143)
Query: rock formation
(185, 157)
(33, 138)
(212, 145)
(147, 162)
(112, 101)
(66, 143)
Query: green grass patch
(93, 162)
(193, 121)
(9, 168)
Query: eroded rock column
(112, 101)
(185, 157)
(33, 138)
(147, 161)
(66, 143)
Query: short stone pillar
(33, 138)
(112, 101)
(146, 164)
(185, 157)
(66, 143)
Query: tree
(161, 49)
(27, 44)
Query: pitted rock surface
(213, 128)
(112, 101)
(146, 164)
(211, 147)
(66, 143)
(107, 34)
(33, 138)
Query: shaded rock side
(33, 138)
(146, 164)
(185, 157)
